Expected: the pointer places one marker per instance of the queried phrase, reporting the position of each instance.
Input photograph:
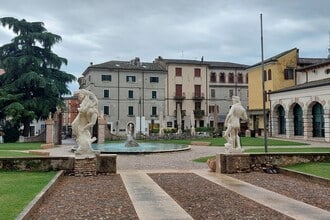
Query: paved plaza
(150, 201)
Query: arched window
(269, 74)
(231, 78)
(222, 77)
(318, 120)
(281, 120)
(298, 121)
(213, 77)
(239, 78)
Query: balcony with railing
(179, 96)
(199, 113)
(183, 113)
(198, 96)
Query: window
(213, 77)
(198, 105)
(269, 74)
(288, 73)
(89, 78)
(130, 111)
(231, 78)
(212, 93)
(197, 72)
(106, 110)
(130, 94)
(231, 93)
(106, 77)
(247, 78)
(153, 110)
(178, 90)
(211, 108)
(222, 77)
(197, 91)
(154, 79)
(106, 93)
(154, 94)
(178, 71)
(239, 78)
(130, 78)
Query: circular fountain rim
(146, 151)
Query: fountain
(130, 142)
(132, 147)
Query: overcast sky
(220, 30)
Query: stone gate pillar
(49, 133)
(102, 122)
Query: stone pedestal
(233, 163)
(248, 133)
(85, 166)
(106, 163)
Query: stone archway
(278, 120)
(318, 120)
(298, 123)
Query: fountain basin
(119, 148)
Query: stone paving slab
(149, 200)
(280, 203)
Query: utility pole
(263, 86)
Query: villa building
(129, 93)
(136, 93)
(303, 111)
(281, 72)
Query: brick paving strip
(95, 197)
(290, 207)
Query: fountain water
(130, 142)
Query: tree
(33, 84)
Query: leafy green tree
(33, 84)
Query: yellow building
(279, 72)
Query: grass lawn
(7, 153)
(317, 169)
(5, 149)
(245, 141)
(20, 146)
(17, 189)
(273, 150)
(289, 150)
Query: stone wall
(37, 163)
(236, 163)
(37, 138)
(103, 163)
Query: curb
(304, 176)
(36, 202)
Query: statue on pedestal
(232, 122)
(84, 122)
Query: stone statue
(85, 120)
(232, 122)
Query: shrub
(11, 132)
(205, 129)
